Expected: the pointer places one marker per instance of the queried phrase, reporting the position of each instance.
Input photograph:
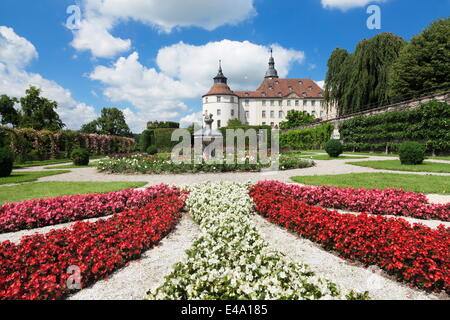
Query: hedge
(29, 144)
(428, 124)
(305, 139)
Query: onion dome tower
(221, 101)
(271, 72)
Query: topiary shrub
(151, 150)
(411, 153)
(334, 148)
(80, 157)
(6, 162)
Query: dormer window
(300, 83)
(270, 88)
(290, 89)
(310, 88)
(279, 94)
(247, 94)
(277, 83)
(263, 94)
(304, 94)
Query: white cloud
(321, 83)
(346, 4)
(186, 72)
(100, 16)
(196, 117)
(93, 35)
(15, 54)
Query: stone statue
(208, 120)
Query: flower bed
(157, 164)
(44, 212)
(383, 202)
(413, 253)
(231, 260)
(37, 267)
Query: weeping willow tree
(359, 81)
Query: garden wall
(305, 139)
(428, 124)
(29, 144)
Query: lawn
(409, 182)
(28, 176)
(55, 188)
(327, 157)
(72, 166)
(396, 165)
(47, 162)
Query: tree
(424, 63)
(111, 122)
(38, 112)
(8, 113)
(360, 80)
(296, 119)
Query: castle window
(305, 102)
(280, 103)
(272, 114)
(289, 103)
(219, 112)
(263, 114)
(232, 112)
(313, 103)
(280, 114)
(314, 113)
(232, 99)
(206, 100)
(297, 103)
(264, 102)
(272, 103)
(272, 124)
(247, 102)
(219, 124)
(219, 99)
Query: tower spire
(220, 78)
(271, 72)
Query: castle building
(269, 104)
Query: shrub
(80, 157)
(334, 148)
(151, 150)
(305, 139)
(412, 153)
(147, 139)
(6, 162)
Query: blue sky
(155, 60)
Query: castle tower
(271, 72)
(221, 101)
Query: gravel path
(327, 265)
(133, 281)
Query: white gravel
(350, 276)
(133, 281)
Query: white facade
(269, 104)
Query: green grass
(409, 182)
(52, 189)
(396, 165)
(72, 166)
(25, 176)
(327, 157)
(27, 164)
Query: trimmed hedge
(305, 139)
(334, 148)
(28, 144)
(428, 124)
(80, 157)
(411, 153)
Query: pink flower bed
(50, 211)
(395, 202)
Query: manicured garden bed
(381, 202)
(426, 166)
(413, 253)
(327, 157)
(231, 261)
(40, 190)
(157, 165)
(37, 267)
(36, 213)
(29, 176)
(409, 182)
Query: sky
(155, 59)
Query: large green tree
(424, 63)
(38, 112)
(8, 114)
(111, 122)
(360, 80)
(295, 119)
